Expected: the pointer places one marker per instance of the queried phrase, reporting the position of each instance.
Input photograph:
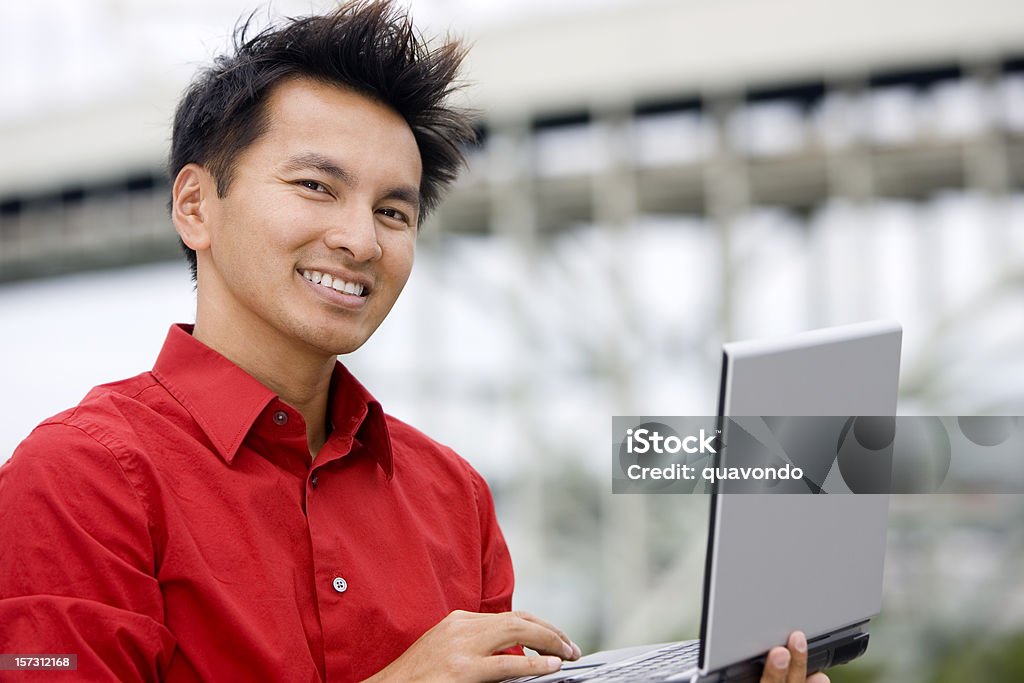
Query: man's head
(369, 47)
(302, 166)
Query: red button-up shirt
(172, 526)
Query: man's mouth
(337, 284)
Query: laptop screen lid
(777, 562)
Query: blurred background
(654, 178)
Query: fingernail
(554, 663)
(567, 649)
(780, 660)
(800, 642)
(576, 650)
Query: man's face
(315, 237)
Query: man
(246, 511)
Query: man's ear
(192, 196)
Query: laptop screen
(782, 562)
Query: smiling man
(246, 510)
(305, 250)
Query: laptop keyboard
(657, 665)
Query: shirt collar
(356, 414)
(188, 369)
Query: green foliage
(983, 661)
(855, 672)
(995, 660)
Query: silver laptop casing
(759, 590)
(778, 563)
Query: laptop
(777, 563)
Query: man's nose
(354, 230)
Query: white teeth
(338, 284)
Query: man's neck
(302, 380)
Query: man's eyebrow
(308, 160)
(404, 193)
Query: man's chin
(332, 341)
(342, 346)
(345, 350)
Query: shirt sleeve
(498, 576)
(77, 559)
(496, 563)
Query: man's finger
(513, 629)
(776, 665)
(500, 667)
(818, 678)
(797, 646)
(545, 624)
(522, 628)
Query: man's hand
(789, 664)
(462, 647)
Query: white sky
(65, 54)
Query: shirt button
(280, 418)
(340, 584)
(312, 481)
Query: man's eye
(394, 213)
(312, 185)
